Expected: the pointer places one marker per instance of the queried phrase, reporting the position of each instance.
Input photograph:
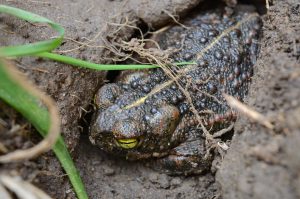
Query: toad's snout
(127, 133)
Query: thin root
(223, 131)
(175, 20)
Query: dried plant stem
(247, 111)
(22, 188)
(267, 4)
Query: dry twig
(4, 193)
(21, 188)
(247, 111)
(267, 4)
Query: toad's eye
(164, 120)
(107, 95)
(127, 143)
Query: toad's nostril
(127, 143)
(127, 129)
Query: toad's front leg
(189, 157)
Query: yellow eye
(127, 143)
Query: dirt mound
(262, 163)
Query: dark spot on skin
(200, 105)
(240, 81)
(212, 88)
(125, 86)
(192, 122)
(217, 118)
(134, 84)
(257, 26)
(237, 32)
(218, 54)
(248, 41)
(202, 63)
(253, 33)
(226, 58)
(220, 78)
(226, 39)
(190, 35)
(217, 71)
(180, 97)
(183, 81)
(188, 56)
(235, 83)
(249, 75)
(146, 89)
(146, 117)
(157, 78)
(174, 100)
(238, 59)
(213, 33)
(153, 110)
(174, 87)
(203, 40)
(231, 22)
(251, 72)
(244, 76)
(205, 77)
(237, 71)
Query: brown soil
(259, 164)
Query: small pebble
(160, 180)
(176, 182)
(164, 181)
(108, 171)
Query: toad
(147, 114)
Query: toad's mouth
(127, 143)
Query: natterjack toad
(145, 115)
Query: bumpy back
(225, 49)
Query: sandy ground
(260, 163)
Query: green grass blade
(185, 63)
(37, 47)
(86, 64)
(29, 106)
